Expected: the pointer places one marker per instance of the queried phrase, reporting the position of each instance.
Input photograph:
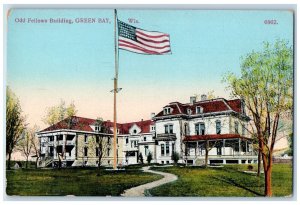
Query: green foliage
(149, 157)
(78, 182)
(228, 181)
(59, 112)
(290, 141)
(15, 122)
(175, 157)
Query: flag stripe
(151, 43)
(151, 36)
(138, 48)
(150, 40)
(150, 46)
(134, 43)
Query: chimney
(192, 99)
(152, 115)
(203, 97)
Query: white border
(212, 4)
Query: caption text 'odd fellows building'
(217, 125)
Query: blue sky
(75, 62)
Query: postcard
(149, 102)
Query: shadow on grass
(234, 183)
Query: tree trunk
(26, 163)
(258, 163)
(36, 162)
(8, 162)
(268, 182)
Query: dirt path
(139, 190)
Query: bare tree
(25, 146)
(35, 144)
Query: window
(152, 128)
(167, 148)
(200, 129)
(85, 138)
(162, 151)
(127, 140)
(145, 138)
(218, 127)
(96, 128)
(168, 129)
(146, 150)
(173, 148)
(108, 151)
(134, 131)
(189, 111)
(243, 130)
(236, 127)
(167, 110)
(186, 129)
(85, 151)
(199, 110)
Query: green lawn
(228, 181)
(79, 182)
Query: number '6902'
(270, 22)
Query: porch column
(197, 149)
(64, 146)
(239, 146)
(54, 147)
(224, 141)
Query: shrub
(149, 157)
(175, 157)
(250, 167)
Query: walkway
(139, 190)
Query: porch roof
(190, 138)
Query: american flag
(141, 41)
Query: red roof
(144, 125)
(211, 137)
(209, 106)
(83, 124)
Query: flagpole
(115, 91)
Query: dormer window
(97, 128)
(199, 109)
(189, 111)
(134, 131)
(167, 110)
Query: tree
(141, 159)
(35, 142)
(290, 141)
(266, 86)
(149, 157)
(59, 112)
(175, 157)
(25, 146)
(100, 141)
(15, 123)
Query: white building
(185, 128)
(181, 128)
